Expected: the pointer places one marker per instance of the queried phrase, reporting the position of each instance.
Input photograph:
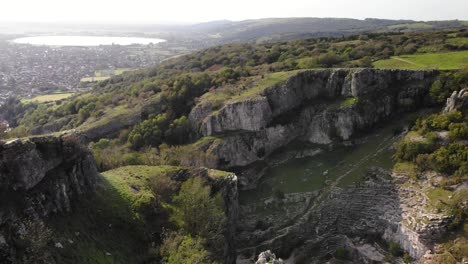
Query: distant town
(27, 71)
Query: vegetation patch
(419, 25)
(350, 101)
(407, 169)
(132, 183)
(48, 98)
(441, 61)
(457, 41)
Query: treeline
(178, 82)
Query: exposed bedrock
(38, 177)
(316, 106)
(313, 225)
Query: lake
(85, 41)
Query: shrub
(409, 150)
(278, 194)
(445, 159)
(458, 131)
(438, 93)
(394, 249)
(179, 249)
(35, 239)
(196, 212)
(407, 258)
(439, 121)
(341, 253)
(163, 187)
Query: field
(441, 61)
(48, 98)
(457, 41)
(410, 26)
(94, 79)
(105, 73)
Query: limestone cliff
(39, 177)
(316, 106)
(352, 218)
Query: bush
(395, 249)
(196, 212)
(458, 131)
(179, 249)
(445, 159)
(163, 187)
(409, 150)
(278, 194)
(407, 258)
(438, 92)
(34, 240)
(341, 253)
(438, 121)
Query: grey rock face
(41, 176)
(227, 187)
(457, 101)
(250, 115)
(380, 207)
(310, 106)
(267, 257)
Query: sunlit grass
(441, 61)
(48, 98)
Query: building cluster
(27, 70)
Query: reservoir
(85, 41)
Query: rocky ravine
(39, 177)
(386, 205)
(316, 106)
(353, 218)
(324, 107)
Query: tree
(179, 249)
(197, 213)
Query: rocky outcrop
(316, 106)
(229, 192)
(354, 218)
(251, 115)
(41, 176)
(267, 257)
(107, 126)
(224, 183)
(457, 101)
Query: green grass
(217, 174)
(107, 73)
(269, 80)
(48, 98)
(444, 200)
(441, 61)
(206, 141)
(103, 75)
(431, 48)
(407, 169)
(350, 101)
(94, 79)
(132, 182)
(457, 41)
(107, 226)
(254, 86)
(411, 26)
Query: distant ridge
(266, 29)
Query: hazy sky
(138, 11)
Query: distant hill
(290, 28)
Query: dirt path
(407, 61)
